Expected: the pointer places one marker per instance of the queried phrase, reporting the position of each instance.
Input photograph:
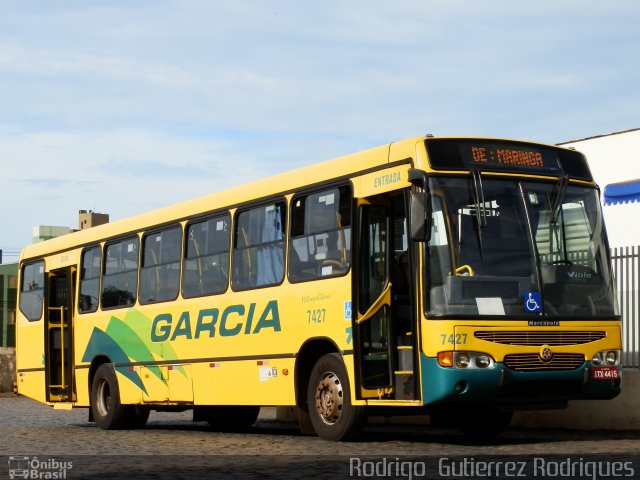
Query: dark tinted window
(89, 280)
(120, 274)
(206, 262)
(160, 271)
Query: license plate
(604, 373)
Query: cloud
(125, 106)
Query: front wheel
(329, 401)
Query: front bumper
(501, 385)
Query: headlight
(597, 359)
(483, 361)
(606, 357)
(465, 360)
(611, 357)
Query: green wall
(8, 291)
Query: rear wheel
(108, 412)
(231, 418)
(139, 416)
(329, 400)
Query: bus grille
(532, 362)
(539, 338)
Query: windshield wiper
(557, 197)
(480, 207)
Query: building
(8, 290)
(89, 218)
(614, 160)
(47, 232)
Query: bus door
(58, 334)
(385, 314)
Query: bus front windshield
(504, 247)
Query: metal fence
(626, 268)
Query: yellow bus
(464, 278)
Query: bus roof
(343, 166)
(266, 187)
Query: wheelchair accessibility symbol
(532, 302)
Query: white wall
(615, 158)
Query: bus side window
(32, 290)
(320, 245)
(120, 274)
(160, 269)
(206, 257)
(89, 280)
(258, 253)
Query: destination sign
(509, 156)
(505, 156)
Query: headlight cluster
(606, 358)
(465, 360)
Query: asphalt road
(63, 444)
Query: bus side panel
(245, 382)
(31, 384)
(30, 357)
(238, 348)
(82, 387)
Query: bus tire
(139, 416)
(231, 418)
(329, 400)
(108, 412)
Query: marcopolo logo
(34, 468)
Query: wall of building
(8, 284)
(42, 233)
(7, 369)
(615, 158)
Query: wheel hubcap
(104, 398)
(329, 398)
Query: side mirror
(419, 207)
(420, 217)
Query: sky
(126, 106)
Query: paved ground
(174, 447)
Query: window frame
(185, 239)
(103, 270)
(99, 278)
(274, 201)
(21, 291)
(290, 236)
(141, 258)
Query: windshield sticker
(490, 306)
(532, 302)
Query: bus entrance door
(58, 334)
(384, 323)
